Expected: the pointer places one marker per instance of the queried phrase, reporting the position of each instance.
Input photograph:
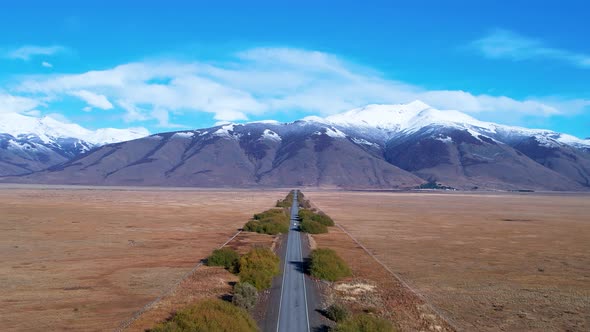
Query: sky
(171, 65)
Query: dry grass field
(87, 259)
(488, 262)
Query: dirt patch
(312, 244)
(487, 262)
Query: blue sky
(190, 64)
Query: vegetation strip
(255, 269)
(209, 315)
(148, 306)
(327, 265)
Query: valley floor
(488, 262)
(86, 259)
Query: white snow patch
(546, 141)
(574, 141)
(266, 121)
(184, 135)
(224, 131)
(474, 133)
(335, 133)
(313, 118)
(362, 141)
(445, 139)
(271, 135)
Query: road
(293, 311)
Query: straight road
(293, 312)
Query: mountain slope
(378, 146)
(460, 151)
(29, 144)
(298, 154)
(454, 157)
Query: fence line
(125, 324)
(397, 277)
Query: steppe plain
(487, 262)
(76, 258)
(86, 259)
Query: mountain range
(29, 144)
(376, 146)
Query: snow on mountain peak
(403, 117)
(411, 117)
(48, 128)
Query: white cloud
(59, 117)
(230, 115)
(17, 104)
(93, 99)
(29, 51)
(260, 81)
(46, 64)
(504, 44)
(35, 113)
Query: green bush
(226, 257)
(258, 267)
(273, 221)
(287, 202)
(322, 218)
(303, 203)
(327, 265)
(337, 312)
(209, 315)
(274, 214)
(245, 295)
(364, 323)
(312, 227)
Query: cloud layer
(504, 44)
(27, 52)
(254, 83)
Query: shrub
(327, 265)
(303, 203)
(287, 202)
(245, 295)
(209, 315)
(266, 227)
(312, 227)
(337, 312)
(226, 257)
(258, 267)
(323, 219)
(273, 221)
(274, 214)
(320, 217)
(364, 323)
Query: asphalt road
(293, 311)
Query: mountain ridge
(377, 146)
(29, 144)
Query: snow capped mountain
(376, 146)
(395, 120)
(29, 144)
(47, 129)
